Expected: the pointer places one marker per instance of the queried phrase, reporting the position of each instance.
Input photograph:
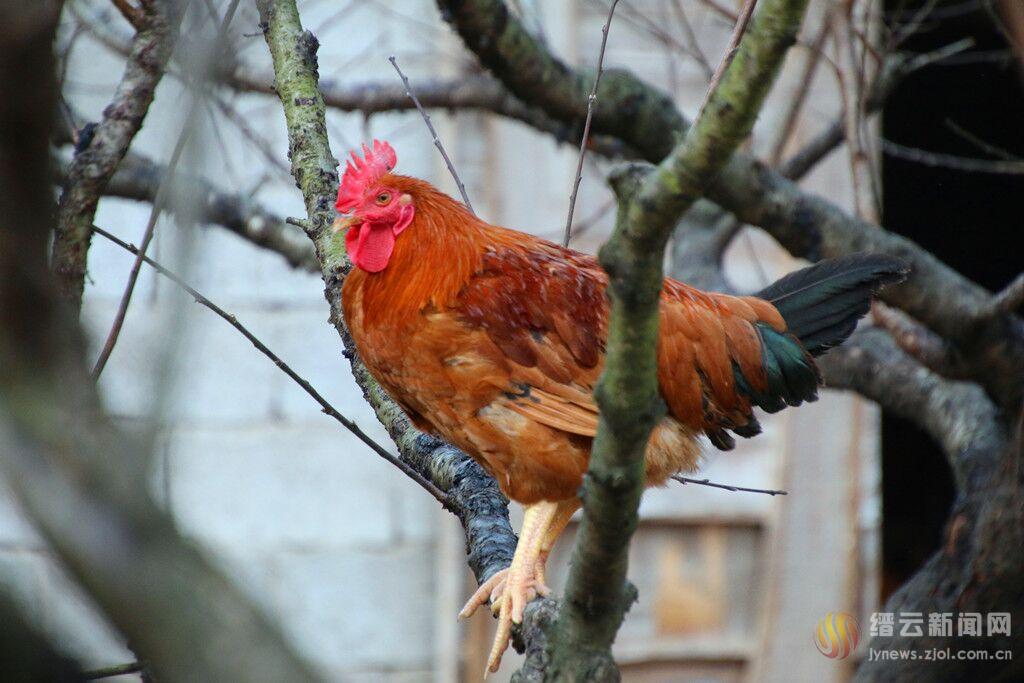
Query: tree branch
(585, 137)
(958, 415)
(478, 92)
(101, 148)
(212, 52)
(631, 110)
(73, 472)
(433, 134)
(139, 178)
(651, 202)
(472, 495)
(893, 71)
(926, 347)
(977, 568)
(807, 225)
(475, 92)
(326, 407)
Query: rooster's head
(374, 209)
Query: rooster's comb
(362, 174)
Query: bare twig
(257, 140)
(111, 671)
(850, 76)
(132, 14)
(659, 32)
(97, 156)
(900, 35)
(326, 407)
(721, 10)
(796, 102)
(591, 100)
(691, 38)
(1010, 298)
(433, 134)
(147, 237)
(984, 146)
(158, 203)
(891, 73)
(734, 42)
(728, 487)
(593, 219)
(953, 161)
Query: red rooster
(494, 339)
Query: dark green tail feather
(821, 305)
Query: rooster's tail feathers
(821, 304)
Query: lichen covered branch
(139, 178)
(101, 147)
(472, 495)
(76, 475)
(977, 568)
(651, 201)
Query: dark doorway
(970, 220)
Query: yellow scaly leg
(512, 588)
(566, 509)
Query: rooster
(494, 339)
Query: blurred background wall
(363, 570)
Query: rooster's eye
(383, 198)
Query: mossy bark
(101, 147)
(651, 202)
(472, 495)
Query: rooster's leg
(566, 509)
(493, 588)
(512, 588)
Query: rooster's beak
(343, 223)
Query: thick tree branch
(139, 178)
(807, 225)
(101, 148)
(73, 472)
(473, 496)
(978, 568)
(651, 202)
(25, 655)
(958, 415)
(477, 92)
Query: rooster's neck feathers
(432, 259)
